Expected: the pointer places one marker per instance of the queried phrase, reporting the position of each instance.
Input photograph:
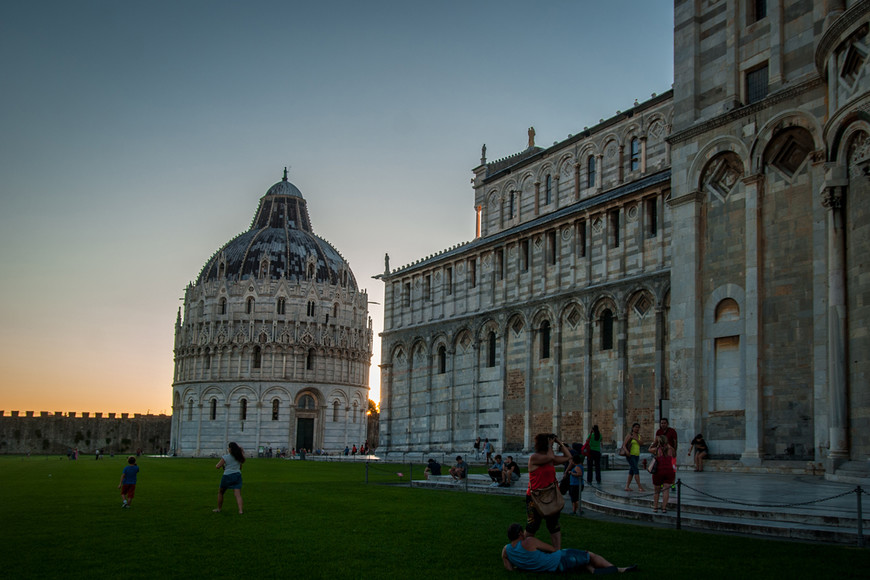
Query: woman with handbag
(631, 450)
(593, 460)
(662, 470)
(543, 499)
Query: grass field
(321, 520)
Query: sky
(136, 138)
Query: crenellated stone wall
(53, 433)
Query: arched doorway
(306, 411)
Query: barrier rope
(770, 505)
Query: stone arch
(718, 146)
(776, 126)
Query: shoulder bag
(547, 501)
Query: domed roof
(279, 244)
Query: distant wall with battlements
(49, 433)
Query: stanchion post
(367, 471)
(410, 474)
(858, 492)
(679, 489)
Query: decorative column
(599, 174)
(385, 419)
(556, 180)
(621, 172)
(576, 181)
(587, 379)
(527, 414)
(198, 429)
(754, 412)
(537, 197)
(832, 199)
(556, 332)
(643, 155)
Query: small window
(442, 360)
(634, 161)
(607, 330)
(406, 296)
(581, 238)
(207, 361)
(311, 308)
(249, 305)
(758, 9)
(335, 310)
(524, 255)
(282, 306)
(212, 412)
(190, 410)
(472, 272)
(548, 190)
(258, 357)
(756, 84)
(275, 407)
(652, 216)
(499, 264)
(545, 340)
(306, 403)
(243, 409)
(223, 306)
(590, 171)
(552, 247)
(614, 228)
(355, 409)
(309, 360)
(490, 349)
(427, 287)
(448, 280)
(513, 204)
(335, 407)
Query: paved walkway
(791, 493)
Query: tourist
(353, 451)
(631, 450)
(668, 431)
(525, 552)
(476, 447)
(575, 480)
(128, 482)
(663, 476)
(460, 470)
(495, 471)
(542, 472)
(432, 468)
(593, 460)
(232, 477)
(511, 472)
(701, 451)
(487, 447)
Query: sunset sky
(136, 138)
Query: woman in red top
(542, 472)
(664, 475)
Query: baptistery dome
(273, 345)
(279, 244)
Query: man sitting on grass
(525, 552)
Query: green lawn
(321, 520)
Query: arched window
(548, 189)
(335, 310)
(590, 171)
(309, 360)
(190, 410)
(306, 402)
(243, 409)
(442, 360)
(258, 357)
(545, 339)
(282, 305)
(275, 406)
(513, 206)
(607, 330)
(212, 412)
(335, 411)
(223, 306)
(355, 409)
(634, 161)
(249, 305)
(310, 308)
(490, 349)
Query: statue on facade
(531, 137)
(483, 154)
(386, 263)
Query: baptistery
(273, 343)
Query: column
(832, 199)
(556, 332)
(754, 418)
(576, 181)
(527, 413)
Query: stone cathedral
(275, 343)
(701, 256)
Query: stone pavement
(800, 507)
